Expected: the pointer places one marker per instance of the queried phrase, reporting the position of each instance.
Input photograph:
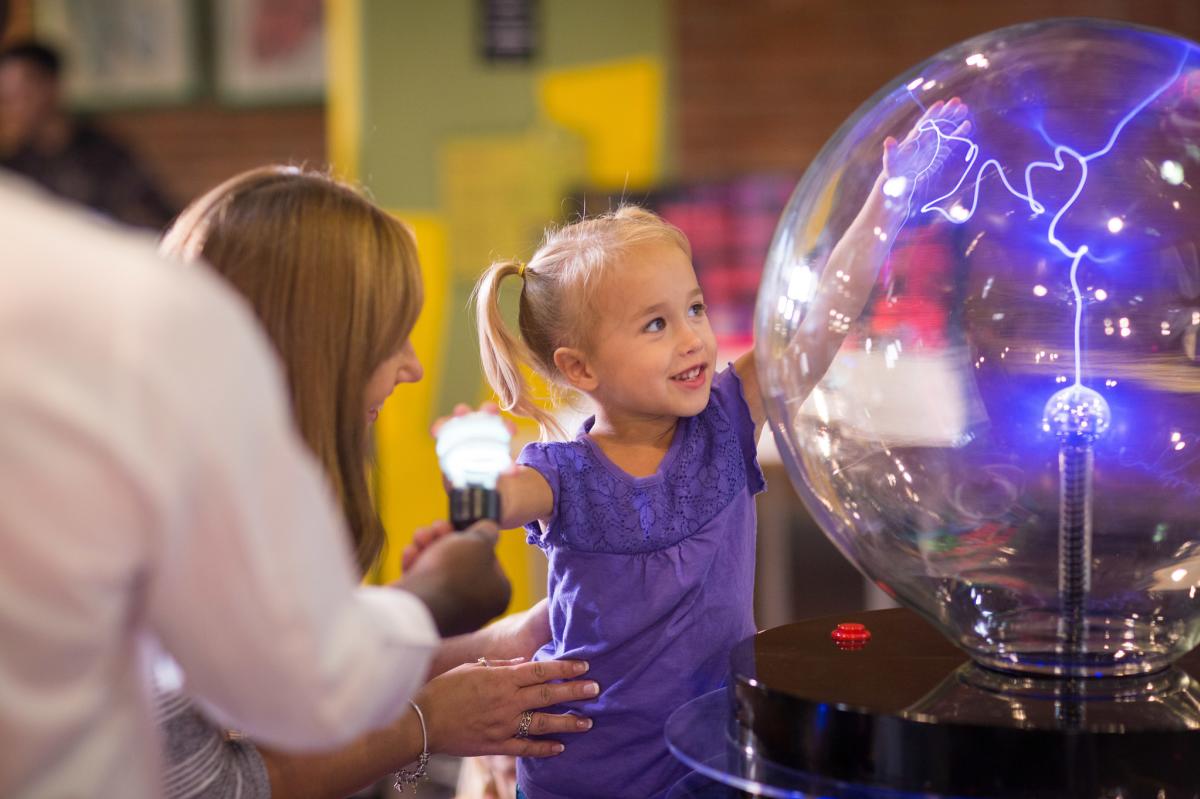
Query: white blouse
(154, 492)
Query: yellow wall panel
(617, 107)
(343, 107)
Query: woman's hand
(460, 581)
(477, 709)
(471, 710)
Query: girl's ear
(574, 366)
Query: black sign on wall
(509, 29)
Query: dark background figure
(42, 141)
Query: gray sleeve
(200, 761)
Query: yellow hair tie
(521, 269)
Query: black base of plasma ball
(909, 712)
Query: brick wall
(192, 148)
(761, 85)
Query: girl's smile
(694, 378)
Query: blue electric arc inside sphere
(978, 333)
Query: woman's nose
(410, 370)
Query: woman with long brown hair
(336, 283)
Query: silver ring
(482, 662)
(523, 726)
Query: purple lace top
(651, 580)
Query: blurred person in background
(40, 140)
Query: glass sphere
(977, 345)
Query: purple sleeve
(727, 393)
(538, 456)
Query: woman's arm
(515, 636)
(470, 710)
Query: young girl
(647, 515)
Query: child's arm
(846, 283)
(853, 265)
(525, 496)
(747, 371)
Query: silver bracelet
(406, 777)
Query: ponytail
(503, 354)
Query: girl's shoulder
(554, 454)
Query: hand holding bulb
(473, 451)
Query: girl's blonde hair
(337, 285)
(558, 284)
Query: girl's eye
(656, 325)
(698, 309)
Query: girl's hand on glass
(929, 143)
(479, 708)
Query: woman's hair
(337, 285)
(555, 308)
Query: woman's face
(402, 366)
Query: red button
(851, 633)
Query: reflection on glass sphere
(977, 341)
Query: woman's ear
(574, 366)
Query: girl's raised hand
(929, 143)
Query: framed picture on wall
(122, 52)
(270, 51)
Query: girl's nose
(690, 341)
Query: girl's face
(400, 367)
(653, 352)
